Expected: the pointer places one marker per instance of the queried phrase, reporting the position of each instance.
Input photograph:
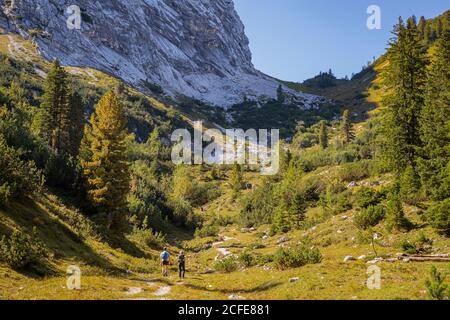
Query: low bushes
(147, 237)
(20, 250)
(297, 256)
(207, 231)
(369, 217)
(439, 217)
(227, 264)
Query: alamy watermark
(74, 20)
(374, 279)
(235, 146)
(74, 278)
(374, 20)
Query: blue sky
(295, 39)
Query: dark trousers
(181, 269)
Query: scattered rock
(349, 258)
(282, 240)
(375, 261)
(133, 290)
(259, 246)
(207, 246)
(391, 260)
(266, 268)
(363, 257)
(209, 271)
(252, 229)
(352, 184)
(235, 297)
(343, 218)
(245, 230)
(339, 231)
(162, 291)
(265, 237)
(295, 279)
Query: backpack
(165, 256)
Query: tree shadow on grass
(259, 288)
(61, 241)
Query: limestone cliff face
(196, 48)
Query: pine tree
(55, 123)
(236, 179)
(106, 168)
(422, 27)
(435, 123)
(323, 135)
(280, 94)
(395, 215)
(76, 117)
(347, 128)
(405, 78)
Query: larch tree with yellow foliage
(104, 158)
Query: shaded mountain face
(195, 48)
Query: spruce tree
(55, 122)
(236, 179)
(76, 116)
(405, 79)
(106, 168)
(323, 135)
(347, 128)
(435, 123)
(395, 215)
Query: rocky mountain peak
(195, 48)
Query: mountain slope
(195, 48)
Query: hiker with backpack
(165, 262)
(181, 259)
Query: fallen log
(426, 258)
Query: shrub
(396, 216)
(227, 264)
(366, 197)
(354, 171)
(439, 217)
(408, 247)
(258, 207)
(147, 237)
(421, 245)
(17, 177)
(184, 215)
(297, 256)
(20, 249)
(207, 231)
(369, 217)
(436, 285)
(247, 259)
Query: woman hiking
(181, 259)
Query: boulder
(282, 240)
(349, 258)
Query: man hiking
(165, 262)
(181, 259)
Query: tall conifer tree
(405, 79)
(105, 164)
(435, 123)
